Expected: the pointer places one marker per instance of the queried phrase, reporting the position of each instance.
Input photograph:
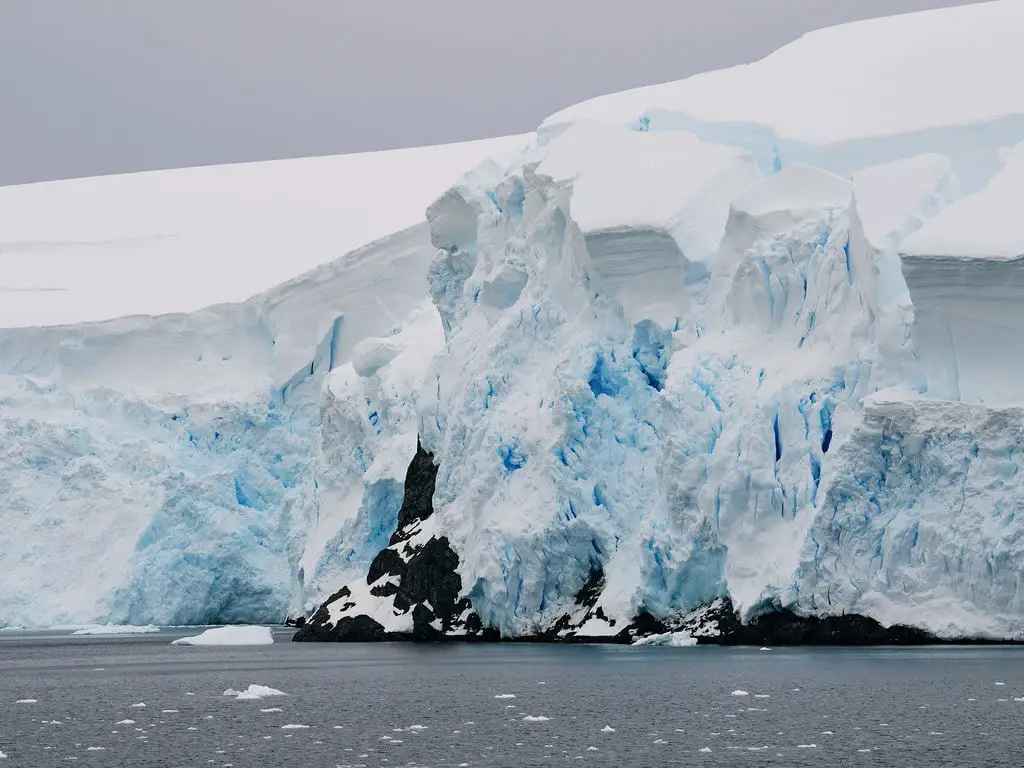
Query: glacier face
(158, 469)
(712, 339)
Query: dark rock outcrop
(417, 581)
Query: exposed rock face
(412, 586)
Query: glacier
(160, 465)
(691, 357)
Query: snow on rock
(230, 636)
(116, 629)
(367, 439)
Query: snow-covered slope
(177, 241)
(157, 467)
(845, 97)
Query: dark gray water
(878, 707)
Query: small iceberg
(535, 719)
(669, 639)
(235, 635)
(253, 693)
(738, 692)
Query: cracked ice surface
(703, 456)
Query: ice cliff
(710, 352)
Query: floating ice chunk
(704, 750)
(1000, 683)
(294, 727)
(275, 709)
(96, 749)
(1018, 698)
(660, 741)
(235, 635)
(670, 639)
(416, 728)
(169, 711)
(254, 692)
(505, 696)
(592, 749)
(125, 722)
(535, 719)
(827, 733)
(116, 629)
(863, 750)
(3, 755)
(739, 692)
(607, 729)
(27, 701)
(806, 746)
(765, 649)
(139, 705)
(762, 695)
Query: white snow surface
(177, 241)
(230, 636)
(822, 100)
(753, 334)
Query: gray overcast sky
(108, 86)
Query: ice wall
(158, 469)
(965, 271)
(718, 455)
